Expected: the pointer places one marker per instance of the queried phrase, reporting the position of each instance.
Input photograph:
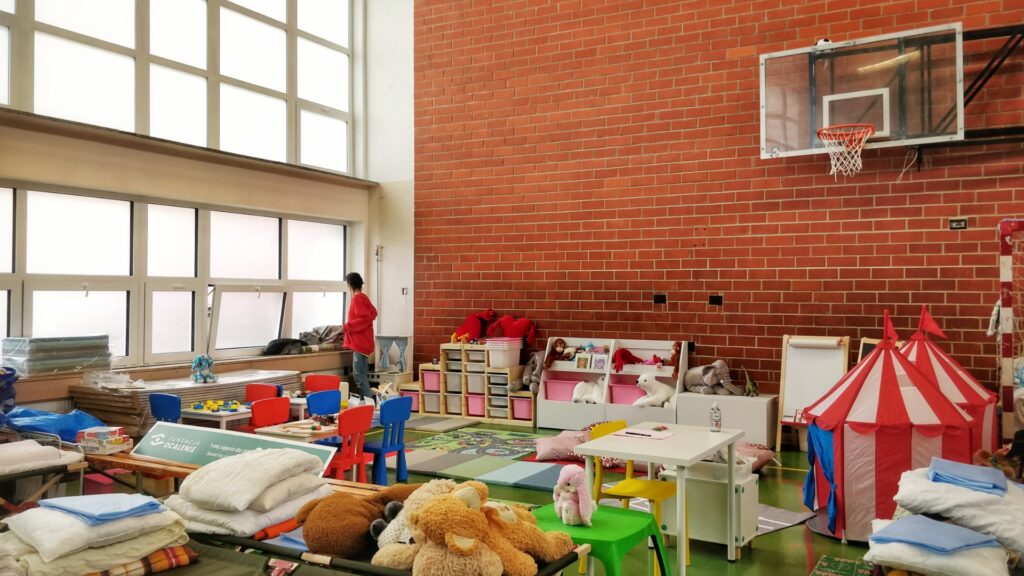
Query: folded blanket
(980, 478)
(293, 539)
(64, 457)
(101, 508)
(997, 516)
(91, 559)
(231, 484)
(939, 537)
(159, 561)
(969, 562)
(286, 490)
(17, 453)
(244, 523)
(55, 534)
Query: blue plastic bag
(64, 425)
(8, 376)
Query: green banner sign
(200, 446)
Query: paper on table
(635, 433)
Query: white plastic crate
(475, 383)
(431, 403)
(503, 358)
(453, 381)
(453, 403)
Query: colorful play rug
(832, 566)
(479, 442)
(437, 423)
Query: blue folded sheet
(102, 508)
(293, 539)
(939, 537)
(979, 478)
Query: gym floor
(791, 551)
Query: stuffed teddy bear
(340, 524)
(202, 369)
(456, 538)
(400, 542)
(531, 374)
(518, 527)
(588, 392)
(573, 503)
(657, 393)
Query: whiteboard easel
(811, 365)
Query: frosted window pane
(323, 75)
(252, 124)
(7, 5)
(5, 298)
(81, 313)
(177, 30)
(172, 241)
(5, 65)
(171, 322)
(273, 8)
(251, 50)
(110, 20)
(327, 19)
(78, 235)
(248, 319)
(6, 230)
(315, 251)
(84, 84)
(311, 309)
(243, 246)
(177, 106)
(324, 142)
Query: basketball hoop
(844, 143)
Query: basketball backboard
(909, 85)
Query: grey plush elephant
(531, 374)
(713, 378)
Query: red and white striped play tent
(955, 382)
(880, 420)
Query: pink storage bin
(522, 408)
(559, 389)
(625, 393)
(432, 381)
(97, 484)
(415, 399)
(474, 405)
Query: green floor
(791, 551)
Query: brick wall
(575, 157)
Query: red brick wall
(575, 157)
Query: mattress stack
(244, 494)
(88, 534)
(129, 407)
(31, 356)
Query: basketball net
(844, 143)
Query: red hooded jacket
(359, 328)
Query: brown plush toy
(519, 527)
(557, 351)
(677, 348)
(455, 538)
(339, 525)
(401, 541)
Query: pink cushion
(560, 447)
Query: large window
(163, 282)
(271, 79)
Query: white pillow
(971, 562)
(55, 534)
(231, 484)
(286, 490)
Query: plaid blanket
(159, 561)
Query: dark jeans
(361, 367)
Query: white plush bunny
(587, 392)
(657, 392)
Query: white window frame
(92, 284)
(23, 28)
(218, 292)
(312, 287)
(198, 319)
(13, 288)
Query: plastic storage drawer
(453, 381)
(479, 356)
(415, 399)
(453, 403)
(475, 383)
(431, 381)
(432, 403)
(522, 408)
(499, 401)
(475, 405)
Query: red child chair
(254, 392)
(321, 382)
(353, 424)
(268, 412)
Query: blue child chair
(393, 415)
(165, 407)
(323, 403)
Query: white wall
(390, 138)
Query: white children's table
(221, 418)
(686, 446)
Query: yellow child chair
(654, 491)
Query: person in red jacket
(359, 332)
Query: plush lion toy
(518, 526)
(400, 542)
(455, 537)
(339, 525)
